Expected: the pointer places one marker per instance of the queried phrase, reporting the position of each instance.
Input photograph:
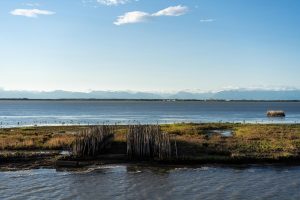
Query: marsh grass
(248, 140)
(59, 141)
(37, 138)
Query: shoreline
(125, 123)
(51, 162)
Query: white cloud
(31, 12)
(207, 20)
(132, 17)
(172, 11)
(112, 2)
(139, 16)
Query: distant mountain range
(238, 94)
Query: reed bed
(146, 142)
(93, 141)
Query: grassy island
(225, 143)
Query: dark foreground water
(22, 113)
(124, 182)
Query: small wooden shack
(276, 113)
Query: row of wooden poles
(144, 142)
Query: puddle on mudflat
(224, 133)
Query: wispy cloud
(172, 11)
(112, 2)
(32, 4)
(139, 16)
(132, 17)
(98, 3)
(31, 12)
(207, 20)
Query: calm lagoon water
(23, 113)
(127, 182)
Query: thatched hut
(276, 113)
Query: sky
(149, 45)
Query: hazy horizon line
(158, 91)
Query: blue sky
(165, 45)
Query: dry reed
(93, 141)
(149, 142)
